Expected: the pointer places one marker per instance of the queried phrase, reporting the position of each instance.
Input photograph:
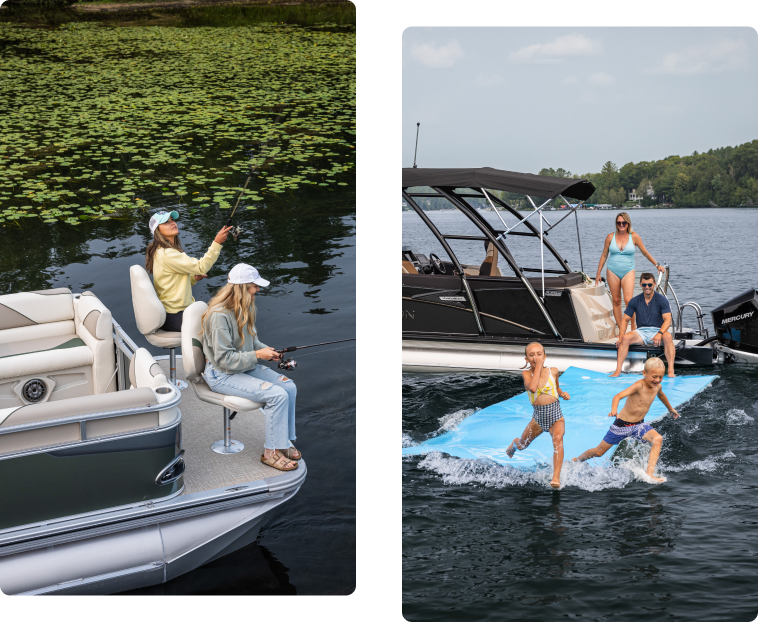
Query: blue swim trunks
(647, 333)
(620, 430)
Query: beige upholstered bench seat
(60, 342)
(39, 356)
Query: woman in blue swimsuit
(620, 273)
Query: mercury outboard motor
(736, 324)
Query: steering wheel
(439, 267)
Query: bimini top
(494, 179)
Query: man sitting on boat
(653, 321)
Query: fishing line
(324, 351)
(291, 364)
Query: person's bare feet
(671, 374)
(574, 459)
(654, 478)
(615, 374)
(511, 448)
(555, 483)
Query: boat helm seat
(193, 360)
(151, 315)
(489, 266)
(54, 345)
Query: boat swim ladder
(664, 276)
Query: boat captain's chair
(489, 265)
(151, 315)
(193, 360)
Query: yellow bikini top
(549, 389)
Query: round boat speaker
(34, 390)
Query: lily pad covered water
(100, 120)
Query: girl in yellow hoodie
(174, 272)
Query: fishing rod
(237, 231)
(290, 364)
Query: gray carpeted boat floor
(203, 425)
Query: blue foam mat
(488, 432)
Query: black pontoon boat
(473, 317)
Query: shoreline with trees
(723, 177)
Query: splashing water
(736, 416)
(408, 441)
(592, 476)
(453, 420)
(707, 465)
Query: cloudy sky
(526, 98)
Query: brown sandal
(291, 452)
(277, 461)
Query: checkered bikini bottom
(547, 415)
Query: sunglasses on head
(622, 223)
(647, 284)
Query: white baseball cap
(243, 273)
(160, 217)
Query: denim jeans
(262, 384)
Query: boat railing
(701, 326)
(666, 285)
(125, 349)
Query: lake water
(484, 542)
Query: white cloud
(723, 56)
(437, 57)
(570, 80)
(601, 78)
(560, 48)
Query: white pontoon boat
(107, 477)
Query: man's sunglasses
(647, 284)
(622, 223)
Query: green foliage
(727, 177)
(98, 120)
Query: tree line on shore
(723, 177)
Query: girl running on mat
(542, 387)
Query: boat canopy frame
(513, 182)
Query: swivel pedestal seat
(193, 360)
(151, 315)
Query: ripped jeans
(262, 384)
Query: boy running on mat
(542, 387)
(630, 421)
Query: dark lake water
(483, 542)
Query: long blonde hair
(234, 297)
(626, 217)
(160, 241)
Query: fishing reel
(287, 364)
(236, 232)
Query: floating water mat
(487, 433)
